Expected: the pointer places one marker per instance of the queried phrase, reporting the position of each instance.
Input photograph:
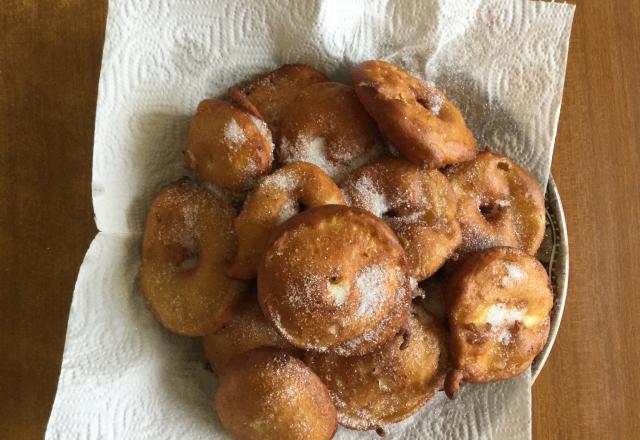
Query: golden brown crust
(238, 98)
(188, 240)
(499, 204)
(334, 279)
(275, 199)
(390, 384)
(417, 118)
(498, 304)
(268, 394)
(228, 146)
(418, 204)
(248, 329)
(269, 96)
(326, 125)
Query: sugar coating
(264, 130)
(233, 133)
(309, 150)
(499, 315)
(435, 104)
(288, 210)
(513, 277)
(368, 196)
(281, 181)
(339, 292)
(371, 284)
(315, 151)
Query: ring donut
(326, 125)
(418, 204)
(269, 96)
(277, 198)
(390, 384)
(498, 304)
(268, 394)
(188, 240)
(417, 119)
(333, 279)
(228, 146)
(248, 329)
(499, 204)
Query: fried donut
(268, 394)
(270, 95)
(188, 240)
(498, 303)
(326, 125)
(247, 330)
(333, 279)
(499, 204)
(227, 146)
(419, 205)
(416, 117)
(277, 198)
(390, 384)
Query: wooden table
(49, 65)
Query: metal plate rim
(558, 268)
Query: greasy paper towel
(125, 377)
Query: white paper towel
(125, 377)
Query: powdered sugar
(435, 103)
(513, 277)
(367, 196)
(233, 133)
(281, 181)
(288, 210)
(371, 284)
(515, 272)
(505, 337)
(502, 318)
(500, 315)
(264, 130)
(339, 292)
(251, 167)
(308, 150)
(315, 151)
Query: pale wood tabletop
(49, 65)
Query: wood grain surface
(49, 65)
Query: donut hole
(432, 102)
(489, 210)
(429, 217)
(391, 213)
(190, 261)
(503, 166)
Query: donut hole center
(338, 289)
(430, 101)
(504, 166)
(391, 213)
(430, 217)
(189, 261)
(489, 210)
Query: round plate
(554, 255)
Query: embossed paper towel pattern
(123, 375)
